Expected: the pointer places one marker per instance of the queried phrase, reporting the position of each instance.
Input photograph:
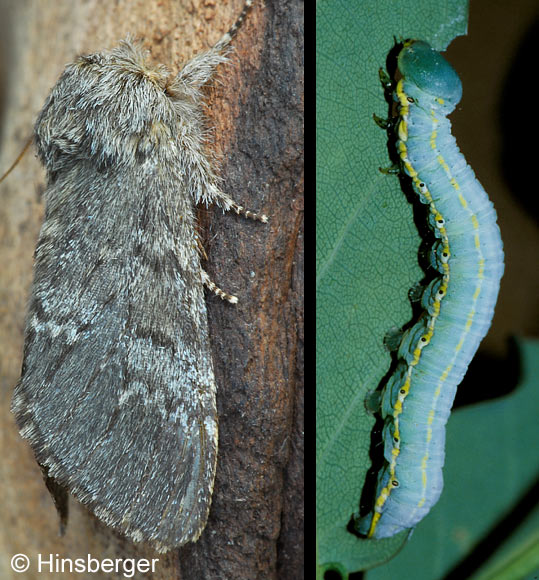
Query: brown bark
(255, 529)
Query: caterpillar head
(426, 68)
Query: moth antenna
(19, 157)
(233, 30)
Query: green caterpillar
(458, 304)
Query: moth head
(427, 69)
(109, 107)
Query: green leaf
(522, 561)
(367, 249)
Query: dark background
(495, 126)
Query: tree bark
(255, 528)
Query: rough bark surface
(255, 529)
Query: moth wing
(117, 393)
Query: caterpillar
(458, 304)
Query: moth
(117, 390)
(458, 304)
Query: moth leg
(203, 184)
(216, 290)
(227, 203)
(201, 247)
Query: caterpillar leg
(393, 338)
(385, 79)
(391, 170)
(381, 122)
